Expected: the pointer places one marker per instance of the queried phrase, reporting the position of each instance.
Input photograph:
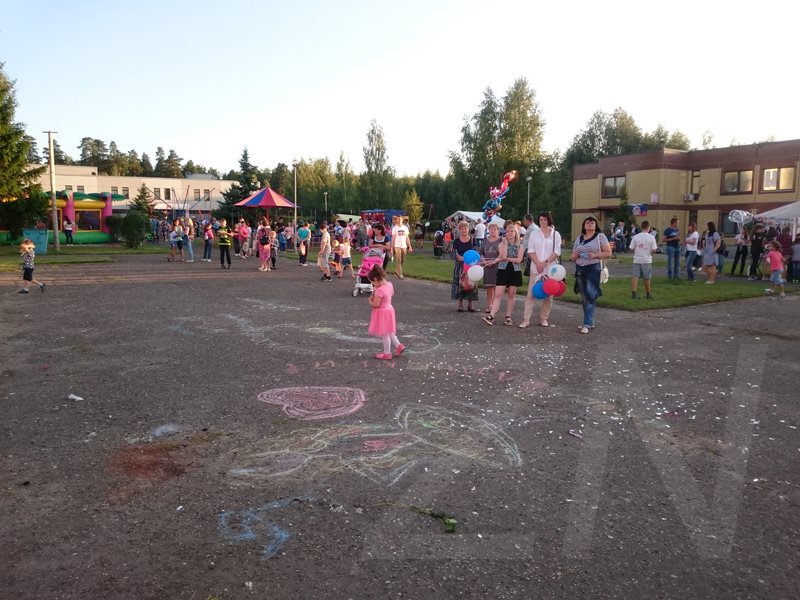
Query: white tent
(782, 213)
(789, 212)
(473, 216)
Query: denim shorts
(775, 277)
(27, 274)
(645, 271)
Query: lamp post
(529, 179)
(52, 166)
(294, 165)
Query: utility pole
(52, 161)
(326, 203)
(528, 179)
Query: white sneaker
(584, 330)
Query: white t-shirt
(643, 245)
(480, 231)
(400, 237)
(691, 241)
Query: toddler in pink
(382, 322)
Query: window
(114, 190)
(613, 186)
(738, 182)
(80, 188)
(67, 188)
(166, 193)
(692, 216)
(207, 194)
(728, 226)
(126, 192)
(781, 179)
(88, 220)
(157, 193)
(197, 194)
(695, 182)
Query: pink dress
(382, 321)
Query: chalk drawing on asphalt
(382, 453)
(313, 403)
(254, 524)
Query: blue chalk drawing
(249, 525)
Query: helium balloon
(471, 257)
(562, 287)
(550, 287)
(555, 271)
(475, 273)
(538, 290)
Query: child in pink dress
(382, 322)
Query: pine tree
(21, 200)
(143, 202)
(247, 184)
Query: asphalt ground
(234, 438)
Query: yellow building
(694, 186)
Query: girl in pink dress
(382, 323)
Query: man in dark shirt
(672, 240)
(756, 249)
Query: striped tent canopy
(266, 198)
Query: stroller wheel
(356, 292)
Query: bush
(134, 228)
(114, 224)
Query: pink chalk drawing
(315, 403)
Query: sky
(303, 80)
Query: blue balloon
(471, 257)
(538, 290)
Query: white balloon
(475, 273)
(556, 271)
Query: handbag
(603, 272)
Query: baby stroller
(372, 257)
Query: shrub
(134, 228)
(114, 224)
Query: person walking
(544, 247)
(401, 245)
(588, 251)
(27, 250)
(777, 267)
(324, 255)
(208, 242)
(742, 247)
(461, 245)
(382, 322)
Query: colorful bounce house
(87, 211)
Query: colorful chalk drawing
(313, 403)
(382, 453)
(253, 524)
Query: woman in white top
(544, 247)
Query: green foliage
(21, 201)
(143, 201)
(247, 183)
(114, 224)
(134, 228)
(59, 157)
(377, 178)
(413, 207)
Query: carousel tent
(782, 213)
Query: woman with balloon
(589, 249)
(490, 253)
(464, 288)
(509, 274)
(544, 250)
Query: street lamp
(294, 165)
(326, 203)
(528, 179)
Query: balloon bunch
(495, 202)
(551, 282)
(740, 217)
(474, 270)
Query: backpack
(263, 240)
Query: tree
(413, 207)
(134, 165)
(134, 228)
(158, 170)
(117, 161)
(172, 166)
(281, 179)
(147, 166)
(21, 200)
(377, 177)
(94, 153)
(247, 183)
(143, 201)
(33, 150)
(58, 155)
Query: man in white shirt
(480, 232)
(644, 246)
(401, 245)
(692, 238)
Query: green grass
(100, 253)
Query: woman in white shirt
(544, 247)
